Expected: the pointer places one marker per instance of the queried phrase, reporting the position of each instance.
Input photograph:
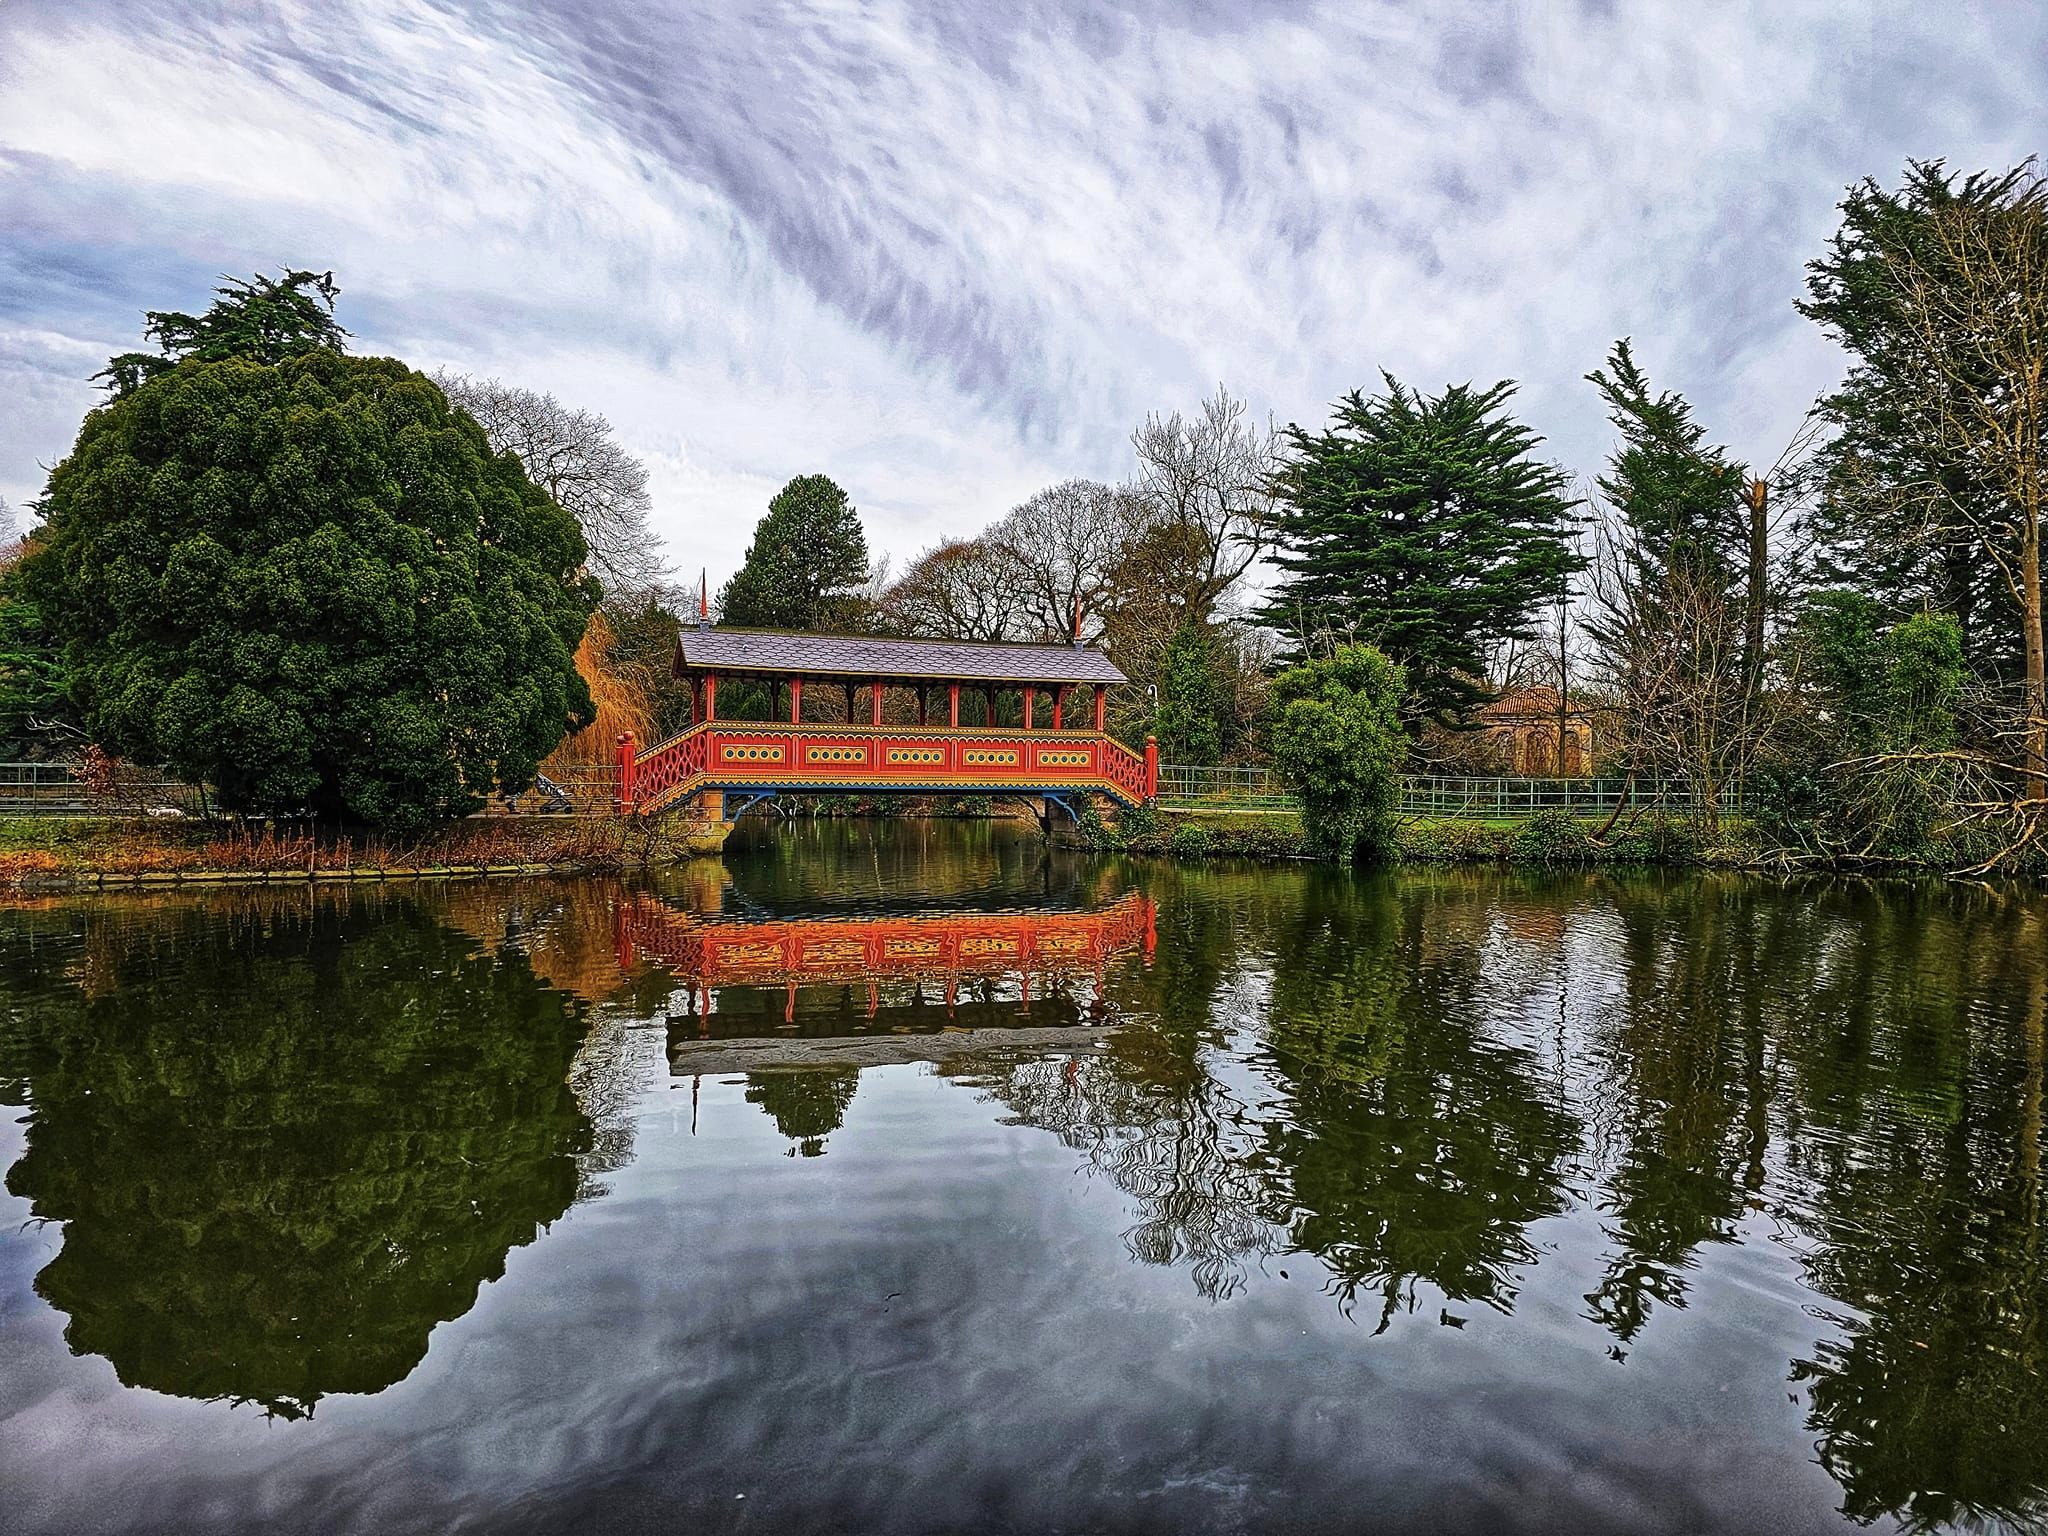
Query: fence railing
(67, 789)
(1489, 798)
(1238, 788)
(1256, 789)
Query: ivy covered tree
(1196, 700)
(306, 580)
(1338, 744)
(1426, 526)
(1935, 483)
(807, 565)
(1866, 769)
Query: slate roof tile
(784, 652)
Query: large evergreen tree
(1678, 500)
(806, 566)
(1426, 525)
(309, 582)
(1936, 480)
(1886, 477)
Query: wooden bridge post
(953, 706)
(875, 703)
(623, 794)
(1030, 700)
(1101, 708)
(1151, 769)
(796, 701)
(1059, 708)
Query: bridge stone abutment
(697, 823)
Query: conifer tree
(1669, 625)
(1425, 525)
(807, 564)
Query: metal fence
(1183, 787)
(1508, 798)
(1247, 789)
(66, 789)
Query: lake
(906, 1177)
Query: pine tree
(1425, 525)
(807, 564)
(1679, 500)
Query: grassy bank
(1548, 837)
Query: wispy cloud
(947, 253)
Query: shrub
(1656, 839)
(1139, 821)
(1451, 842)
(1338, 744)
(1190, 840)
(1090, 830)
(1552, 836)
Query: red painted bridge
(898, 744)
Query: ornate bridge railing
(747, 754)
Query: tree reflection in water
(1919, 1151)
(286, 1138)
(1392, 1153)
(1357, 1070)
(806, 1106)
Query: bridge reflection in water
(917, 970)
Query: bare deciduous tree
(1066, 540)
(572, 455)
(1210, 478)
(1671, 658)
(963, 589)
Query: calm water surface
(777, 1200)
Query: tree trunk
(1759, 585)
(2036, 704)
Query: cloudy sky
(949, 250)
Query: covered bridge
(871, 714)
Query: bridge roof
(787, 653)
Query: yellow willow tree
(622, 691)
